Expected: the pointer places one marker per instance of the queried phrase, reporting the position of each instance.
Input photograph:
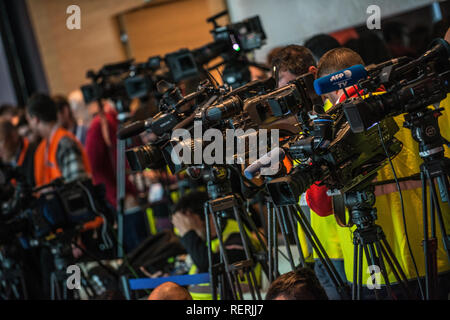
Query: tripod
(61, 257)
(369, 239)
(12, 280)
(287, 215)
(225, 276)
(285, 212)
(425, 130)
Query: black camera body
(410, 87)
(231, 42)
(107, 83)
(65, 206)
(142, 78)
(297, 98)
(341, 163)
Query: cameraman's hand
(184, 222)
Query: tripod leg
(269, 242)
(254, 229)
(245, 240)
(360, 269)
(355, 270)
(237, 284)
(426, 241)
(370, 261)
(434, 206)
(212, 276)
(442, 180)
(445, 238)
(315, 242)
(251, 287)
(275, 242)
(378, 257)
(223, 254)
(255, 285)
(395, 267)
(297, 240)
(286, 240)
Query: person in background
(370, 47)
(419, 39)
(396, 36)
(321, 44)
(59, 154)
(17, 150)
(189, 220)
(67, 120)
(300, 284)
(83, 113)
(169, 291)
(291, 62)
(10, 113)
(272, 53)
(101, 149)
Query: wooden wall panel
(68, 54)
(157, 30)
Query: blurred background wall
(115, 30)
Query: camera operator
(388, 205)
(59, 154)
(17, 150)
(291, 62)
(101, 149)
(67, 120)
(188, 219)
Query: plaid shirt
(70, 160)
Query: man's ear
(313, 70)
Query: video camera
(231, 42)
(344, 148)
(143, 77)
(208, 104)
(38, 212)
(410, 87)
(107, 83)
(335, 156)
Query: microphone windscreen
(272, 157)
(340, 80)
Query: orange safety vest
(46, 167)
(21, 158)
(23, 152)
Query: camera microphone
(340, 79)
(273, 157)
(134, 129)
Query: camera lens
(146, 156)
